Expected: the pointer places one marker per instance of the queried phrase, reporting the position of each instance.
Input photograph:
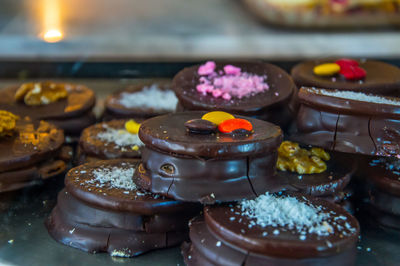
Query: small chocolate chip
(200, 126)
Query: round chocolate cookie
(383, 177)
(108, 140)
(71, 113)
(331, 184)
(346, 121)
(381, 78)
(270, 104)
(207, 167)
(102, 210)
(30, 154)
(140, 102)
(273, 230)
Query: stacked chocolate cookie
(355, 112)
(68, 106)
(228, 162)
(102, 210)
(30, 151)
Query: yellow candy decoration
(328, 69)
(217, 117)
(132, 127)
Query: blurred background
(193, 30)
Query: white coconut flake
(120, 137)
(269, 210)
(114, 177)
(150, 97)
(357, 96)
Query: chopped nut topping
(7, 123)
(41, 93)
(295, 159)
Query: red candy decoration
(353, 72)
(233, 124)
(345, 62)
(350, 69)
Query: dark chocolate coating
(326, 184)
(207, 167)
(76, 106)
(384, 195)
(381, 78)
(346, 125)
(95, 239)
(203, 250)
(266, 105)
(115, 199)
(200, 126)
(32, 142)
(31, 175)
(207, 181)
(113, 109)
(92, 146)
(169, 134)
(237, 233)
(73, 126)
(97, 218)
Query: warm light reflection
(53, 36)
(51, 16)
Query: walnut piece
(7, 123)
(295, 159)
(41, 93)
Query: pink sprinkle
(204, 88)
(233, 83)
(232, 70)
(276, 94)
(207, 68)
(217, 93)
(226, 96)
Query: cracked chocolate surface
(97, 217)
(346, 125)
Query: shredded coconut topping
(390, 164)
(289, 212)
(115, 177)
(357, 96)
(150, 97)
(120, 137)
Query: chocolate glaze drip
(381, 79)
(271, 105)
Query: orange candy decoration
(233, 124)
